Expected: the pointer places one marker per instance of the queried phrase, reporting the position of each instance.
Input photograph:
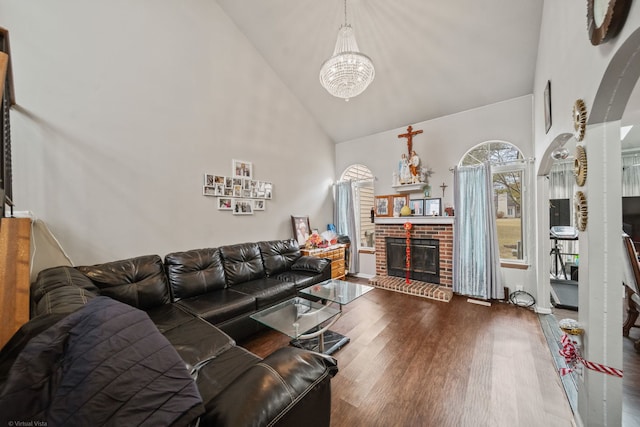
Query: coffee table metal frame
(307, 322)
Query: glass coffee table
(307, 322)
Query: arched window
(509, 171)
(363, 179)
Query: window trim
(519, 164)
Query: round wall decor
(579, 119)
(580, 165)
(605, 18)
(580, 209)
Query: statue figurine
(414, 162)
(405, 172)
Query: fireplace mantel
(434, 220)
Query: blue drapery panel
(344, 217)
(476, 259)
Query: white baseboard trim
(363, 275)
(542, 310)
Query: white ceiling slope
(432, 58)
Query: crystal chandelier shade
(348, 72)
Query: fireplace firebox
(425, 259)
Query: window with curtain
(509, 177)
(362, 177)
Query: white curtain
(344, 217)
(476, 258)
(630, 175)
(562, 181)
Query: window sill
(367, 251)
(514, 265)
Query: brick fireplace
(435, 228)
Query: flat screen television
(631, 217)
(559, 212)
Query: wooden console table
(336, 253)
(15, 248)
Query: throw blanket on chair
(105, 364)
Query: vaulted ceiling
(432, 58)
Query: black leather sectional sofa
(200, 301)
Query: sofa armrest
(289, 387)
(310, 263)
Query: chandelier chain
(345, 12)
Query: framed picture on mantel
(383, 206)
(433, 207)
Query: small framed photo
(268, 190)
(242, 169)
(433, 207)
(242, 207)
(237, 191)
(382, 206)
(398, 203)
(258, 205)
(224, 203)
(301, 229)
(417, 206)
(209, 179)
(228, 182)
(208, 190)
(219, 189)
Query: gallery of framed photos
(391, 205)
(239, 192)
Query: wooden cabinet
(336, 253)
(15, 248)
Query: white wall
(575, 69)
(442, 145)
(123, 106)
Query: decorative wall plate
(605, 18)
(580, 209)
(579, 119)
(580, 165)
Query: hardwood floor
(413, 361)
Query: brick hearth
(423, 228)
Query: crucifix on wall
(409, 135)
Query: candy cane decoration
(572, 357)
(407, 227)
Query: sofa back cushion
(60, 277)
(140, 282)
(194, 272)
(279, 255)
(242, 263)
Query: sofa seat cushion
(140, 282)
(302, 279)
(267, 291)
(169, 316)
(213, 378)
(198, 342)
(217, 306)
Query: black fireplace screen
(425, 259)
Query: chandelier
(348, 72)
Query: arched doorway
(600, 292)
